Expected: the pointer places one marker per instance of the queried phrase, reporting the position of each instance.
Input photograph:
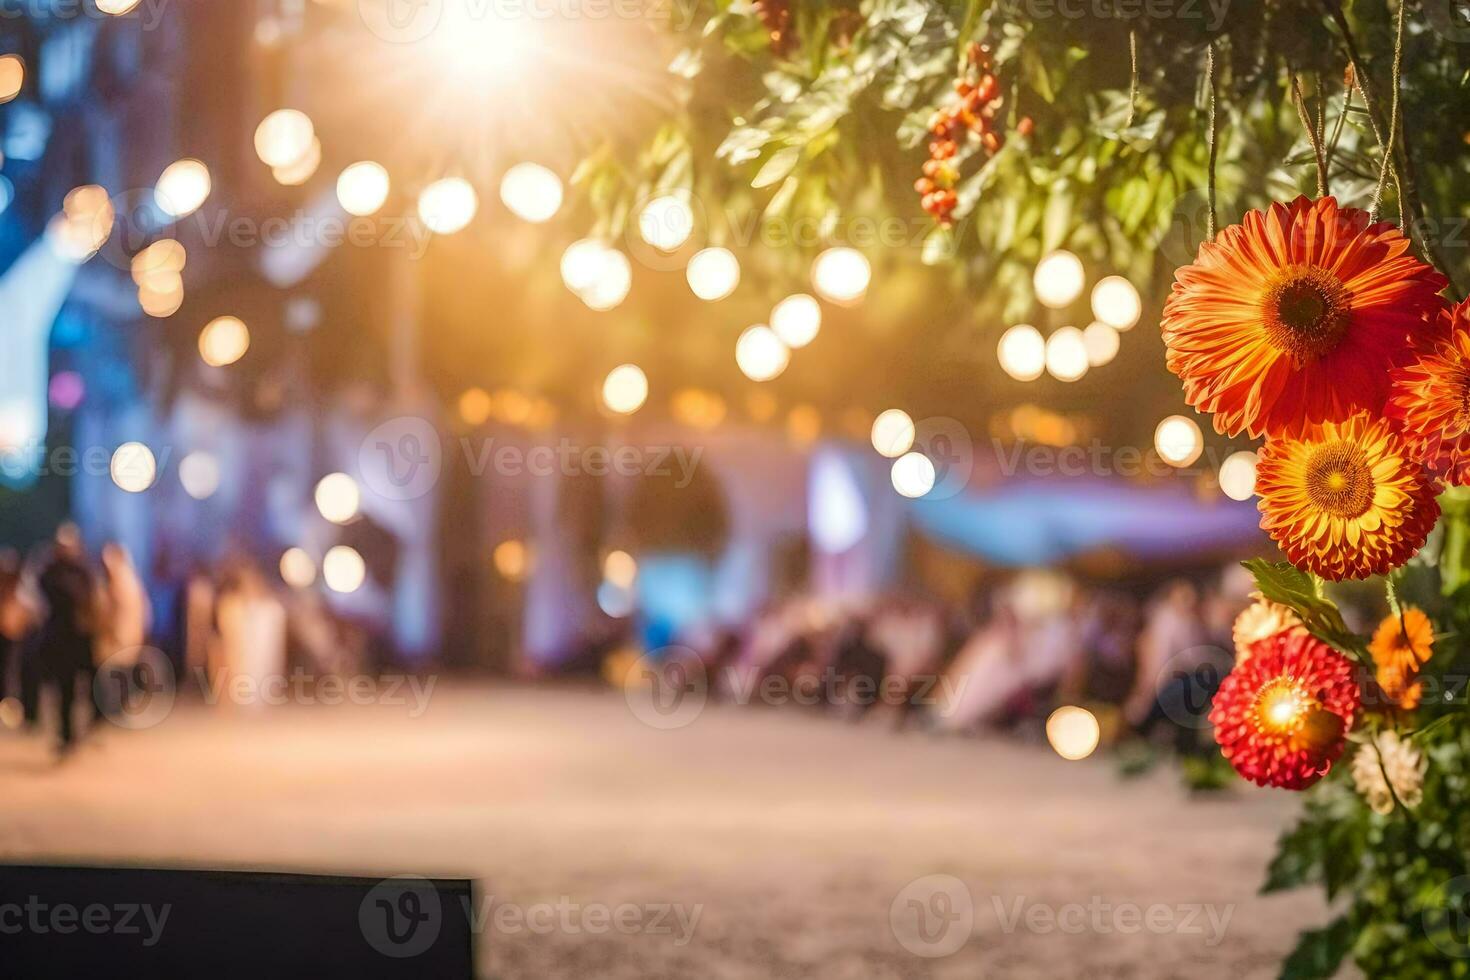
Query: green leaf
(777, 168)
(1319, 952)
(1298, 859)
(1284, 583)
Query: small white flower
(1396, 759)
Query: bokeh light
(223, 341)
(338, 498)
(625, 389)
(1066, 354)
(893, 432)
(797, 320)
(1073, 732)
(475, 406)
(512, 559)
(1022, 352)
(620, 568)
(449, 205)
(116, 8)
(1116, 303)
(614, 280)
(1178, 440)
(284, 137)
(666, 222)
(133, 467)
(1059, 279)
(182, 188)
(302, 169)
(1102, 343)
(841, 275)
(297, 568)
(12, 76)
(913, 474)
(362, 188)
(343, 569)
(1238, 475)
(760, 354)
(199, 472)
(713, 273)
(531, 192)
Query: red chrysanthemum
(1282, 717)
(1294, 316)
(1431, 398)
(1347, 501)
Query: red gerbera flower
(1282, 717)
(1292, 317)
(1431, 397)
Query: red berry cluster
(973, 116)
(775, 16)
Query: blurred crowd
(80, 634)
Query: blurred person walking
(17, 619)
(65, 649)
(124, 619)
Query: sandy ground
(792, 845)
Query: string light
(343, 569)
(842, 275)
(760, 354)
(893, 432)
(531, 192)
(223, 341)
(1073, 732)
(1022, 352)
(625, 389)
(1102, 343)
(1178, 441)
(796, 320)
(1066, 354)
(449, 205)
(338, 498)
(284, 137)
(1059, 279)
(713, 273)
(913, 475)
(133, 467)
(182, 188)
(1116, 303)
(363, 188)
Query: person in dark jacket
(64, 650)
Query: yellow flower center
(1306, 311)
(1281, 705)
(1339, 480)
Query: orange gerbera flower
(1431, 397)
(1290, 318)
(1401, 646)
(1347, 501)
(1282, 717)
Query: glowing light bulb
(343, 569)
(842, 275)
(913, 474)
(1102, 343)
(133, 467)
(1178, 440)
(223, 341)
(531, 192)
(796, 320)
(893, 433)
(1022, 352)
(338, 498)
(1059, 279)
(760, 354)
(666, 222)
(449, 205)
(1073, 732)
(1066, 354)
(1116, 303)
(713, 273)
(363, 188)
(284, 137)
(625, 389)
(182, 188)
